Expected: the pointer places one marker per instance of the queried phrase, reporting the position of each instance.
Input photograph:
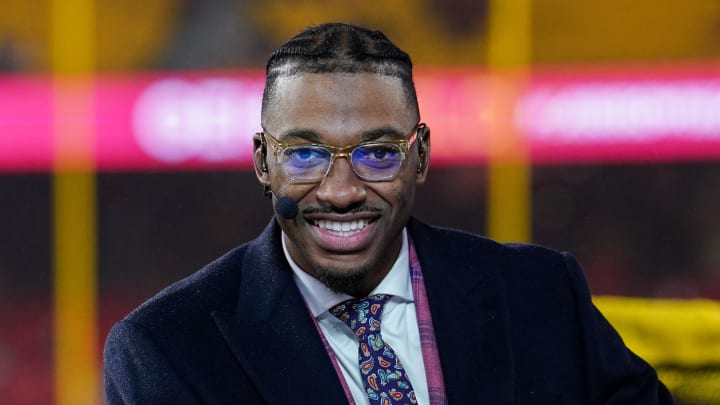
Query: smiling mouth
(342, 228)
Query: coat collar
(272, 333)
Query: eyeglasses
(371, 161)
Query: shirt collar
(319, 298)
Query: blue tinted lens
(377, 161)
(305, 162)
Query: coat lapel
(470, 316)
(272, 333)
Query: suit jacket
(514, 324)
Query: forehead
(341, 104)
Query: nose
(342, 188)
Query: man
(344, 298)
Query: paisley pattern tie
(383, 375)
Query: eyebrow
(370, 135)
(304, 134)
(389, 132)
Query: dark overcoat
(514, 324)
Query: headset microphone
(286, 207)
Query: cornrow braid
(339, 48)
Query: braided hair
(339, 48)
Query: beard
(341, 281)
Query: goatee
(341, 281)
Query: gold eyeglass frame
(344, 151)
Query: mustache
(329, 209)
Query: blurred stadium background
(589, 126)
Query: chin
(342, 280)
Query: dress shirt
(399, 323)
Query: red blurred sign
(25, 123)
(634, 115)
(177, 121)
(206, 120)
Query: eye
(380, 152)
(378, 155)
(306, 156)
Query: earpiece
(422, 134)
(263, 152)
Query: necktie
(384, 377)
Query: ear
(260, 159)
(423, 148)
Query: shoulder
(169, 349)
(521, 256)
(522, 271)
(213, 287)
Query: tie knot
(362, 316)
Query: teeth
(346, 227)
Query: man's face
(342, 109)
